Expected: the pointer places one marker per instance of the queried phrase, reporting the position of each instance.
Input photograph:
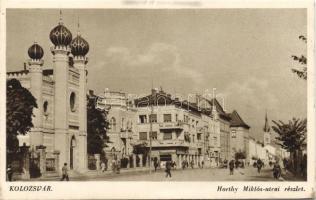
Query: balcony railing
(172, 125)
(168, 143)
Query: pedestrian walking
(168, 169)
(156, 164)
(183, 164)
(64, 173)
(202, 164)
(174, 165)
(192, 164)
(118, 166)
(231, 167)
(9, 172)
(113, 166)
(259, 165)
(276, 171)
(102, 166)
(285, 164)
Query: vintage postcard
(157, 99)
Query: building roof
(161, 98)
(237, 121)
(219, 109)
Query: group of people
(235, 164)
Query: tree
(20, 103)
(301, 71)
(97, 125)
(292, 136)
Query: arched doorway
(72, 146)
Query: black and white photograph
(165, 96)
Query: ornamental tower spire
(266, 127)
(266, 131)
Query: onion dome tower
(35, 64)
(60, 35)
(79, 46)
(35, 52)
(79, 49)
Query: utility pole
(151, 124)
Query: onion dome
(35, 51)
(79, 46)
(60, 35)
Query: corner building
(59, 134)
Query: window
(142, 119)
(153, 117)
(176, 117)
(198, 136)
(167, 135)
(123, 125)
(143, 136)
(186, 119)
(113, 124)
(72, 102)
(187, 137)
(193, 136)
(45, 106)
(234, 134)
(167, 117)
(154, 135)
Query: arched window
(128, 124)
(45, 107)
(123, 125)
(113, 124)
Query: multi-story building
(122, 124)
(173, 129)
(59, 134)
(213, 108)
(179, 129)
(239, 135)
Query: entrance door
(71, 157)
(72, 146)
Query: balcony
(169, 143)
(172, 126)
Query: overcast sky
(244, 53)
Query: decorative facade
(60, 121)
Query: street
(208, 174)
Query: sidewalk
(91, 174)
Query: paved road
(215, 174)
